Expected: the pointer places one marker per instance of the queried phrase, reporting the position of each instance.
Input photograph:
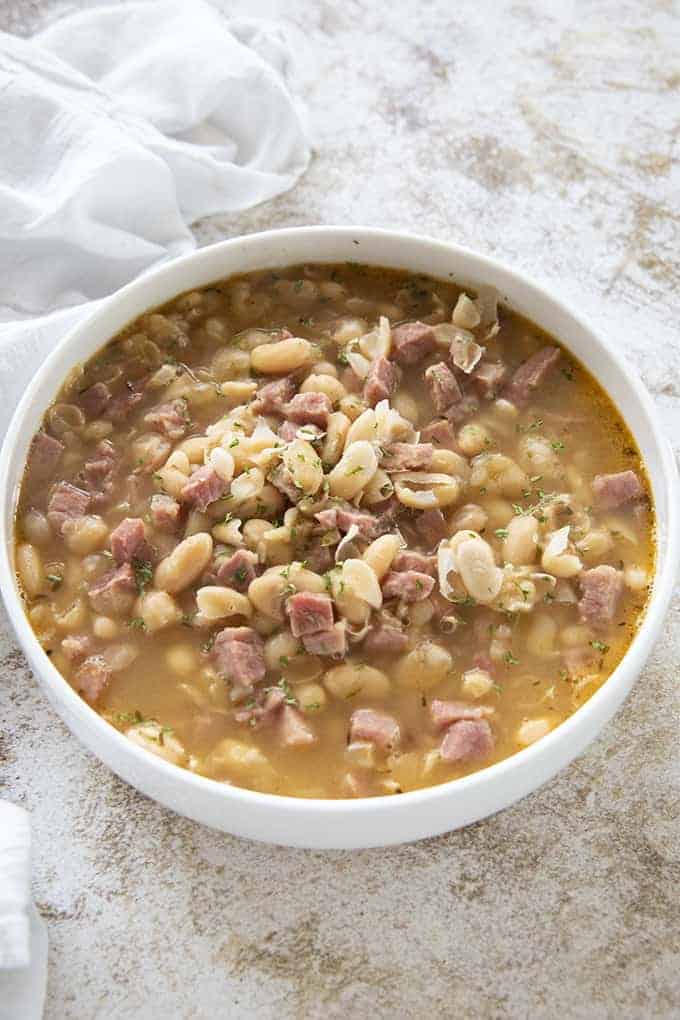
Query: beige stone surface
(546, 134)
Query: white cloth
(23, 936)
(121, 125)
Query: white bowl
(381, 820)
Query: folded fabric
(121, 126)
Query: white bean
(282, 356)
(217, 603)
(353, 471)
(184, 564)
(521, 542)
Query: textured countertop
(546, 134)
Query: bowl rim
(633, 660)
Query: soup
(334, 531)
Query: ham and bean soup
(334, 531)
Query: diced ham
(76, 647)
(309, 612)
(385, 640)
(171, 419)
(441, 434)
(376, 727)
(238, 656)
(92, 677)
(203, 487)
(238, 570)
(114, 592)
(579, 661)
(67, 503)
(273, 396)
(331, 642)
(412, 342)
(482, 660)
(488, 377)
(165, 512)
(369, 527)
(381, 381)
(98, 471)
(282, 479)
(415, 561)
(467, 740)
(128, 541)
(309, 409)
(531, 374)
(431, 528)
(328, 518)
(294, 730)
(319, 558)
(443, 387)
(120, 407)
(288, 431)
(407, 456)
(264, 713)
(95, 399)
(462, 409)
(44, 456)
(601, 589)
(444, 713)
(616, 490)
(407, 585)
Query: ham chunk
(288, 431)
(467, 740)
(238, 570)
(408, 457)
(294, 729)
(67, 503)
(203, 488)
(444, 713)
(165, 512)
(412, 342)
(376, 727)
(488, 377)
(97, 474)
(431, 528)
(309, 612)
(266, 712)
(381, 381)
(385, 640)
(121, 406)
(92, 678)
(612, 491)
(443, 387)
(407, 585)
(76, 647)
(282, 479)
(95, 399)
(332, 643)
(531, 374)
(172, 419)
(601, 589)
(441, 434)
(114, 592)
(128, 541)
(462, 409)
(309, 409)
(238, 656)
(274, 396)
(44, 456)
(415, 561)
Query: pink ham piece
(114, 592)
(309, 409)
(95, 399)
(238, 657)
(282, 479)
(164, 511)
(238, 570)
(415, 561)
(44, 456)
(288, 431)
(121, 406)
(530, 375)
(128, 541)
(97, 474)
(441, 434)
(294, 730)
(203, 488)
(408, 457)
(376, 727)
(444, 713)
(488, 377)
(407, 585)
(309, 612)
(331, 643)
(264, 713)
(385, 640)
(381, 381)
(412, 342)
(467, 740)
(443, 387)
(273, 396)
(601, 589)
(431, 527)
(612, 491)
(76, 647)
(172, 419)
(67, 503)
(92, 678)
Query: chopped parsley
(55, 580)
(599, 646)
(501, 532)
(557, 446)
(137, 623)
(509, 659)
(143, 574)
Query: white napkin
(121, 125)
(23, 936)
